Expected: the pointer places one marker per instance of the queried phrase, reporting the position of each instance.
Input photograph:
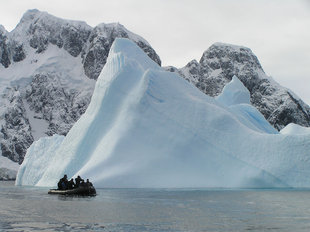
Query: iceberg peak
(130, 50)
(234, 93)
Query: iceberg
(146, 127)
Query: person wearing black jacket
(78, 181)
(63, 183)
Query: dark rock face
(95, 57)
(74, 39)
(233, 60)
(16, 130)
(4, 50)
(59, 106)
(221, 62)
(290, 110)
(18, 53)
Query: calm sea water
(32, 209)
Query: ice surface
(146, 127)
(234, 93)
(39, 156)
(237, 98)
(295, 129)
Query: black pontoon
(80, 191)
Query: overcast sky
(277, 31)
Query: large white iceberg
(146, 127)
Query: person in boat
(83, 184)
(71, 184)
(88, 183)
(78, 180)
(63, 183)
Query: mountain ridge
(38, 29)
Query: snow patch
(231, 46)
(38, 125)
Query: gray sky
(277, 31)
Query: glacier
(146, 127)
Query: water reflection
(74, 198)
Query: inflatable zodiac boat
(80, 191)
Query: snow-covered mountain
(146, 127)
(48, 68)
(221, 62)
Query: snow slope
(146, 127)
